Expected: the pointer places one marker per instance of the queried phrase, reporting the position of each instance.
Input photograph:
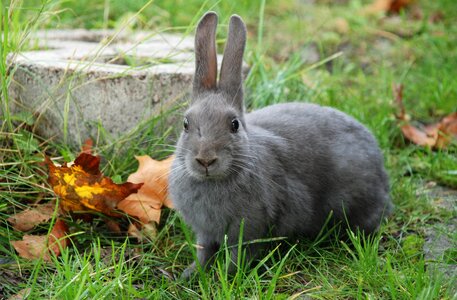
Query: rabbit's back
(331, 156)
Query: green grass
(356, 69)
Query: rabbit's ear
(205, 54)
(231, 80)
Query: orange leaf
(36, 246)
(87, 146)
(133, 231)
(447, 130)
(113, 226)
(57, 240)
(417, 136)
(387, 6)
(148, 231)
(437, 135)
(83, 187)
(147, 202)
(397, 5)
(31, 246)
(145, 209)
(31, 217)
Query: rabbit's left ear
(231, 79)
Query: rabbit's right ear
(205, 54)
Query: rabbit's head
(214, 138)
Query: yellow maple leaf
(82, 187)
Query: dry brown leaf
(148, 201)
(397, 5)
(31, 217)
(87, 146)
(387, 6)
(341, 26)
(437, 135)
(113, 226)
(147, 231)
(145, 209)
(57, 240)
(436, 17)
(447, 131)
(32, 246)
(21, 295)
(36, 246)
(135, 232)
(417, 136)
(82, 187)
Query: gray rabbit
(282, 170)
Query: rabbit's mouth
(208, 174)
(215, 170)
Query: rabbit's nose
(206, 162)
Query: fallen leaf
(31, 217)
(82, 187)
(436, 17)
(145, 209)
(57, 240)
(31, 246)
(341, 26)
(113, 226)
(447, 131)
(387, 6)
(135, 232)
(21, 295)
(417, 136)
(36, 246)
(437, 135)
(87, 146)
(148, 201)
(147, 231)
(397, 5)
(397, 90)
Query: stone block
(79, 80)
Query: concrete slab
(79, 80)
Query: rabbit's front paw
(187, 273)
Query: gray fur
(283, 172)
(205, 54)
(231, 81)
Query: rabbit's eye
(186, 124)
(235, 125)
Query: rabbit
(280, 170)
